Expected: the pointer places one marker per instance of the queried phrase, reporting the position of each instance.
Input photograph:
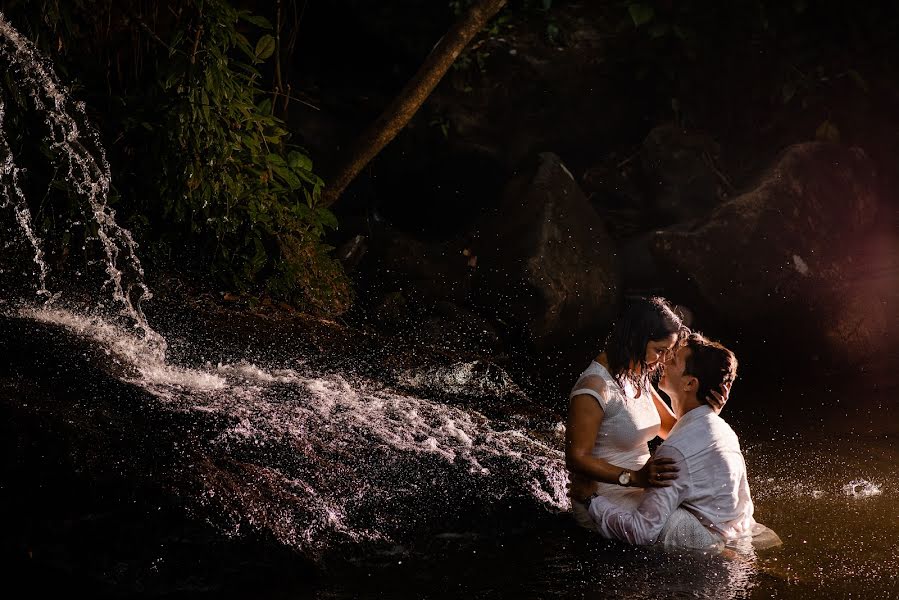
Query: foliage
(205, 168)
(235, 178)
(501, 25)
(678, 44)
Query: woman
(614, 411)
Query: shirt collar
(696, 413)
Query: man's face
(658, 351)
(673, 380)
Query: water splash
(475, 377)
(314, 460)
(862, 488)
(9, 181)
(87, 173)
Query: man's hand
(716, 400)
(657, 472)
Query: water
(398, 495)
(390, 490)
(77, 147)
(329, 450)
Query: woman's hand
(657, 472)
(716, 400)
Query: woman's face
(658, 351)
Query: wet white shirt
(711, 485)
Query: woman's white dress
(629, 423)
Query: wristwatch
(624, 478)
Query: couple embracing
(693, 492)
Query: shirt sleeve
(642, 525)
(595, 386)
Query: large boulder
(545, 265)
(672, 178)
(786, 253)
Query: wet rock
(458, 330)
(94, 474)
(786, 253)
(546, 265)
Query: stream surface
(378, 491)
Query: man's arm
(643, 524)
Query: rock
(615, 188)
(457, 330)
(786, 253)
(351, 252)
(424, 273)
(671, 178)
(679, 168)
(546, 266)
(392, 309)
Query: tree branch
(411, 97)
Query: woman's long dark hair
(642, 320)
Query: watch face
(624, 478)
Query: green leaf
(257, 20)
(205, 105)
(552, 33)
(172, 79)
(307, 176)
(298, 160)
(641, 13)
(326, 218)
(265, 47)
(288, 176)
(276, 160)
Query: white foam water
(327, 444)
(862, 488)
(465, 377)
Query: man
(710, 484)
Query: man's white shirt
(711, 484)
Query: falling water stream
(319, 461)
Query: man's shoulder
(704, 432)
(720, 426)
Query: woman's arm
(665, 414)
(584, 419)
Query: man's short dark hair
(710, 362)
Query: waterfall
(314, 460)
(70, 138)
